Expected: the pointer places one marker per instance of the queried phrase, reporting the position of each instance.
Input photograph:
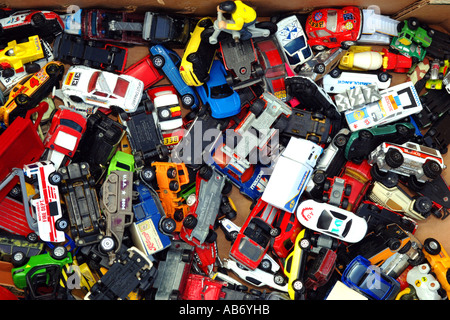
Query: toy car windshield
(222, 91)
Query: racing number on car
(34, 82)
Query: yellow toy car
(295, 264)
(30, 91)
(17, 55)
(361, 58)
(198, 55)
(439, 261)
(437, 72)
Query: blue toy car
(367, 279)
(151, 229)
(223, 101)
(169, 62)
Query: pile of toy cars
(117, 177)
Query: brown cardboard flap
(432, 12)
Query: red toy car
(254, 237)
(61, 140)
(274, 67)
(144, 71)
(396, 62)
(289, 227)
(331, 28)
(199, 287)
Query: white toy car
(408, 159)
(46, 203)
(331, 220)
(167, 107)
(377, 23)
(338, 81)
(88, 86)
(424, 282)
(291, 174)
(292, 40)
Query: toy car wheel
(344, 203)
(75, 61)
(171, 173)
(298, 286)
(319, 68)
(168, 225)
(158, 61)
(432, 246)
(19, 259)
(265, 265)
(394, 244)
(61, 224)
(281, 123)
(227, 188)
(205, 172)
(347, 44)
(32, 237)
(107, 244)
(414, 184)
(52, 69)
(340, 140)
(431, 169)
(413, 23)
(365, 135)
(8, 73)
(319, 177)
(212, 236)
(22, 99)
(376, 173)
(305, 244)
(190, 222)
(275, 232)
(148, 174)
(423, 205)
(383, 76)
(318, 48)
(187, 100)
(335, 73)
(174, 185)
(59, 253)
(279, 279)
(38, 19)
(32, 67)
(394, 158)
(55, 178)
(257, 107)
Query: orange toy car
(170, 178)
(439, 261)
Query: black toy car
(75, 50)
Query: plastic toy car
(439, 261)
(413, 50)
(223, 101)
(30, 91)
(198, 56)
(321, 64)
(409, 159)
(45, 24)
(63, 136)
(144, 71)
(362, 142)
(409, 31)
(75, 50)
(85, 85)
(334, 221)
(338, 81)
(121, 161)
(295, 266)
(397, 200)
(166, 106)
(436, 74)
(331, 28)
(361, 276)
(47, 205)
(291, 173)
(272, 62)
(308, 125)
(425, 285)
(253, 239)
(21, 55)
(293, 41)
(169, 62)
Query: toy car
(144, 71)
(75, 50)
(80, 197)
(334, 221)
(436, 74)
(293, 41)
(410, 30)
(291, 173)
(85, 85)
(361, 276)
(198, 56)
(169, 62)
(413, 50)
(308, 125)
(295, 266)
(166, 107)
(30, 91)
(331, 28)
(18, 56)
(397, 200)
(45, 24)
(217, 95)
(253, 239)
(121, 161)
(409, 159)
(439, 261)
(63, 136)
(321, 64)
(47, 205)
(272, 62)
(338, 81)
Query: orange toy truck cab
(170, 178)
(439, 261)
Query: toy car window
(250, 250)
(324, 220)
(275, 72)
(100, 94)
(222, 91)
(258, 231)
(375, 283)
(331, 20)
(295, 45)
(322, 33)
(306, 53)
(121, 87)
(163, 28)
(71, 124)
(93, 81)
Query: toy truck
(291, 174)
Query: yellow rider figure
(242, 15)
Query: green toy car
(39, 270)
(413, 50)
(410, 31)
(121, 161)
